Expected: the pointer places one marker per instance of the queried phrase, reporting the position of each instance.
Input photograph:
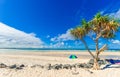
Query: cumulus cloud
(64, 40)
(11, 37)
(58, 45)
(114, 44)
(115, 41)
(63, 37)
(116, 14)
(32, 34)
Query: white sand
(43, 58)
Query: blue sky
(51, 20)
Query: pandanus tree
(102, 27)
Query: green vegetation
(103, 27)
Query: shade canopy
(72, 56)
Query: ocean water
(53, 49)
(17, 50)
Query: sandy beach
(52, 57)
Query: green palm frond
(78, 32)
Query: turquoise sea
(56, 49)
(17, 50)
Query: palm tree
(79, 33)
(104, 27)
(101, 26)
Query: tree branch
(86, 46)
(99, 34)
(104, 47)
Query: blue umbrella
(72, 56)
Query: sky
(50, 21)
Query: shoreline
(59, 53)
(43, 58)
(59, 50)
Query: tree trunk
(86, 46)
(97, 49)
(96, 65)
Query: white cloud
(116, 14)
(63, 37)
(56, 45)
(32, 34)
(78, 43)
(100, 43)
(63, 41)
(11, 37)
(59, 45)
(115, 41)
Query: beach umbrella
(72, 56)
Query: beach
(30, 58)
